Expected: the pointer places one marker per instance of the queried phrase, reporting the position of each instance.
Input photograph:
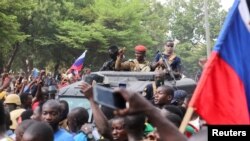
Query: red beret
(140, 48)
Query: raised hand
(136, 103)
(87, 90)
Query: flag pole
(186, 119)
(207, 29)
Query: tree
(11, 14)
(187, 26)
(56, 32)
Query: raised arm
(100, 119)
(138, 104)
(156, 62)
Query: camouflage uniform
(108, 66)
(132, 65)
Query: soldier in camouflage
(139, 64)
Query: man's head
(51, 112)
(26, 100)
(140, 52)
(179, 97)
(25, 115)
(2, 118)
(118, 130)
(8, 121)
(76, 118)
(159, 78)
(45, 93)
(37, 113)
(22, 127)
(113, 52)
(52, 90)
(12, 101)
(135, 125)
(163, 95)
(169, 47)
(38, 132)
(64, 108)
(174, 110)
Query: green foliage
(9, 26)
(188, 27)
(52, 32)
(190, 55)
(122, 22)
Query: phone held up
(106, 96)
(122, 85)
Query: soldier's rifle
(167, 66)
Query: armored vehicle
(134, 81)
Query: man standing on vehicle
(110, 65)
(139, 64)
(171, 58)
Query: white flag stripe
(83, 55)
(244, 12)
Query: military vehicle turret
(137, 81)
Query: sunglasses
(169, 45)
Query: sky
(226, 4)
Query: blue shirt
(175, 65)
(80, 137)
(63, 135)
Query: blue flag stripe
(233, 45)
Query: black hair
(117, 118)
(169, 90)
(53, 103)
(81, 115)
(113, 48)
(40, 106)
(40, 131)
(174, 109)
(64, 112)
(8, 121)
(26, 114)
(135, 125)
(172, 41)
(2, 118)
(175, 119)
(24, 97)
(25, 124)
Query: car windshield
(78, 102)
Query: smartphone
(89, 79)
(122, 85)
(106, 96)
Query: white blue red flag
(222, 95)
(78, 64)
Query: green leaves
(55, 31)
(76, 34)
(188, 27)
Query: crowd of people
(30, 109)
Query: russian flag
(222, 95)
(78, 64)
